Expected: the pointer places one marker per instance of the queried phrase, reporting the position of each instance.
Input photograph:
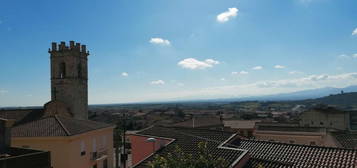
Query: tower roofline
(62, 47)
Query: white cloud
(191, 63)
(180, 84)
(295, 72)
(157, 82)
(243, 72)
(257, 68)
(305, 1)
(160, 41)
(279, 66)
(227, 15)
(3, 91)
(354, 32)
(343, 56)
(125, 74)
(211, 62)
(222, 79)
(313, 81)
(240, 73)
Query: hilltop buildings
(244, 127)
(326, 117)
(294, 134)
(62, 126)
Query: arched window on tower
(62, 72)
(79, 69)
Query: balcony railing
(97, 155)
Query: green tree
(180, 159)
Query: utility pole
(124, 155)
(116, 144)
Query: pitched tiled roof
(262, 153)
(256, 163)
(56, 126)
(347, 140)
(198, 122)
(22, 116)
(187, 139)
(300, 155)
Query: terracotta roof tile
(22, 116)
(266, 154)
(56, 126)
(187, 139)
(347, 140)
(300, 155)
(255, 163)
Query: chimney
(5, 135)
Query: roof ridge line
(298, 145)
(198, 128)
(199, 137)
(62, 125)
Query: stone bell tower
(69, 79)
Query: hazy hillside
(343, 100)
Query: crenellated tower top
(73, 47)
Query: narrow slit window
(79, 70)
(62, 73)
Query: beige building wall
(302, 138)
(318, 139)
(316, 118)
(66, 151)
(293, 139)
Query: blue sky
(160, 50)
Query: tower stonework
(69, 77)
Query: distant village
(67, 133)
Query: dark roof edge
(190, 128)
(151, 136)
(63, 127)
(245, 152)
(283, 143)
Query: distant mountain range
(320, 95)
(300, 95)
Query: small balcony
(99, 155)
